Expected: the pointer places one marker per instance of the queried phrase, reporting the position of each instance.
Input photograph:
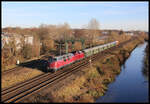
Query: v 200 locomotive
(55, 63)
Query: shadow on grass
(39, 64)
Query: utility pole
(90, 57)
(66, 44)
(60, 47)
(72, 41)
(82, 41)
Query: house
(129, 33)
(28, 39)
(101, 38)
(7, 37)
(105, 32)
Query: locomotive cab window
(60, 58)
(68, 57)
(64, 58)
(51, 59)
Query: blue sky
(111, 15)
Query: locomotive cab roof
(63, 56)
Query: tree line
(53, 39)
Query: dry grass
(71, 90)
(21, 75)
(9, 67)
(130, 45)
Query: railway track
(11, 70)
(25, 89)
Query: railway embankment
(90, 83)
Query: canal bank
(130, 85)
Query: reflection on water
(131, 84)
(145, 73)
(145, 62)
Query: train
(58, 62)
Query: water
(130, 85)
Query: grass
(9, 67)
(71, 89)
(94, 93)
(13, 78)
(93, 73)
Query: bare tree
(92, 32)
(42, 32)
(36, 46)
(13, 46)
(45, 35)
(93, 27)
(64, 34)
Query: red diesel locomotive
(55, 63)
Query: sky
(110, 15)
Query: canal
(130, 85)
